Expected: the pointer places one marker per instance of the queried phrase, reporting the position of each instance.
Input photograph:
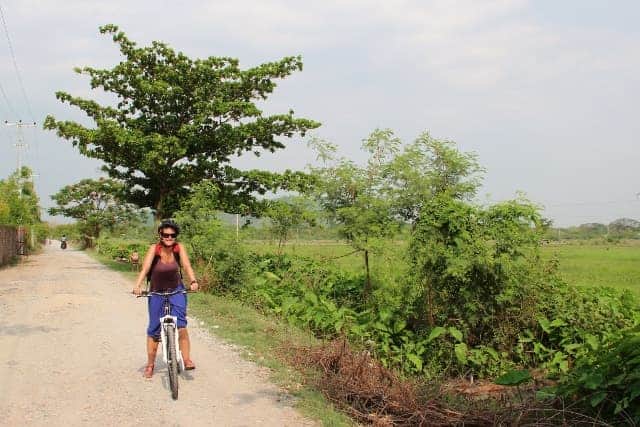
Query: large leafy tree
(178, 121)
(96, 205)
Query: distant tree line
(621, 228)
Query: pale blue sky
(543, 91)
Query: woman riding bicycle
(164, 261)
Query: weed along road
(72, 353)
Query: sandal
(189, 365)
(148, 371)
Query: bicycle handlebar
(147, 294)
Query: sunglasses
(168, 235)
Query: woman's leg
(185, 348)
(152, 349)
(179, 309)
(153, 330)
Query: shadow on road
(23, 330)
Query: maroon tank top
(165, 276)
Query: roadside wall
(8, 244)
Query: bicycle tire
(172, 361)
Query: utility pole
(20, 145)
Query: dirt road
(72, 353)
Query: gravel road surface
(72, 353)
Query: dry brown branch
(373, 394)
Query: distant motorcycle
(63, 245)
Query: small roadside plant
(286, 215)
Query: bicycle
(171, 354)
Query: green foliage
(353, 196)
(478, 292)
(606, 379)
(199, 221)
(471, 262)
(179, 120)
(481, 272)
(571, 322)
(40, 231)
(328, 301)
(285, 214)
(120, 249)
(72, 231)
(96, 205)
(222, 258)
(426, 168)
(367, 202)
(305, 293)
(19, 204)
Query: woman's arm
(146, 265)
(184, 259)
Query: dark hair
(169, 223)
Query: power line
(15, 64)
(6, 99)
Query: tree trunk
(430, 304)
(160, 207)
(367, 288)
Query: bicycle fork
(170, 322)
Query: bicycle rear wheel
(172, 361)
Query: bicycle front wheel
(172, 361)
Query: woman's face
(168, 236)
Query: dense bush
(570, 320)
(606, 379)
(475, 270)
(227, 267)
(494, 304)
(222, 261)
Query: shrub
(116, 248)
(606, 380)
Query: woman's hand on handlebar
(193, 286)
(137, 291)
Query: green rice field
(617, 266)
